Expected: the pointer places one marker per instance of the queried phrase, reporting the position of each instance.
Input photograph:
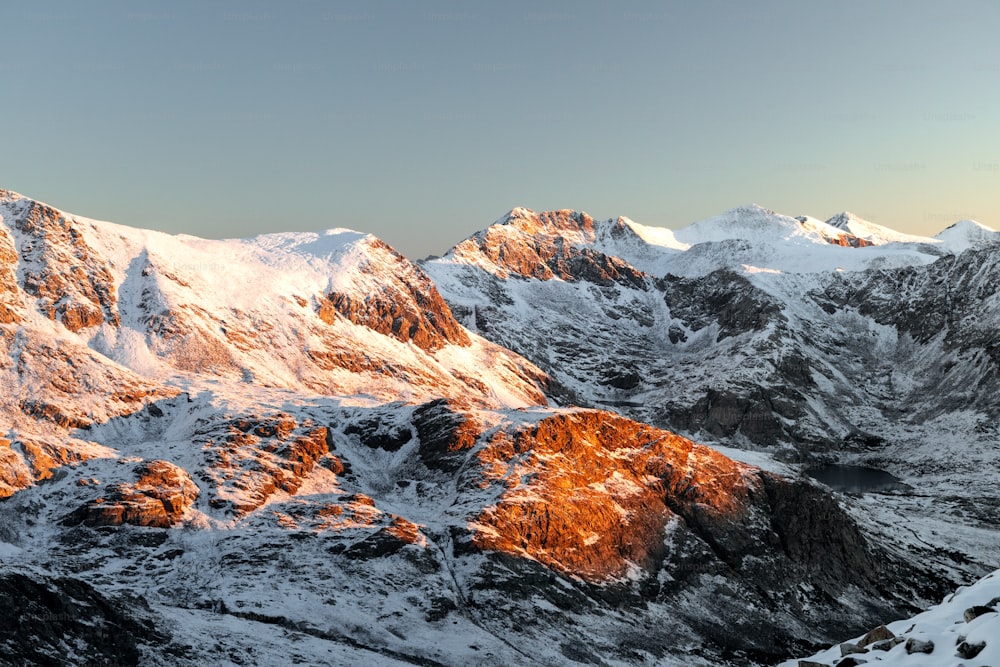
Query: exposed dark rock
(376, 433)
(445, 434)
(756, 415)
(847, 649)
(40, 617)
(914, 645)
(721, 297)
(975, 612)
(852, 661)
(440, 608)
(887, 644)
(970, 650)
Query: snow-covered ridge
(869, 231)
(336, 312)
(748, 239)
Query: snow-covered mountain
(288, 449)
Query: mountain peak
(966, 234)
(843, 219)
(870, 232)
(967, 225)
(562, 220)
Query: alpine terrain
(564, 441)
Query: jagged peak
(554, 221)
(845, 218)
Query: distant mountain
(291, 449)
(966, 234)
(870, 232)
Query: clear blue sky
(422, 122)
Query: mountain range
(563, 441)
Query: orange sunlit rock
(159, 497)
(591, 493)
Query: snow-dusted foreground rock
(963, 629)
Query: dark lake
(856, 479)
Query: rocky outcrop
(446, 432)
(14, 473)
(545, 246)
(647, 518)
(249, 459)
(69, 280)
(591, 494)
(46, 456)
(159, 497)
(409, 308)
(70, 385)
(11, 301)
(722, 297)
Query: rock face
(593, 494)
(601, 501)
(70, 281)
(249, 459)
(446, 433)
(11, 305)
(601, 498)
(14, 474)
(409, 310)
(159, 497)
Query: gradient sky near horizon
(422, 122)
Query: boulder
(848, 648)
(975, 612)
(970, 650)
(852, 661)
(887, 644)
(914, 645)
(880, 633)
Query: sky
(423, 122)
